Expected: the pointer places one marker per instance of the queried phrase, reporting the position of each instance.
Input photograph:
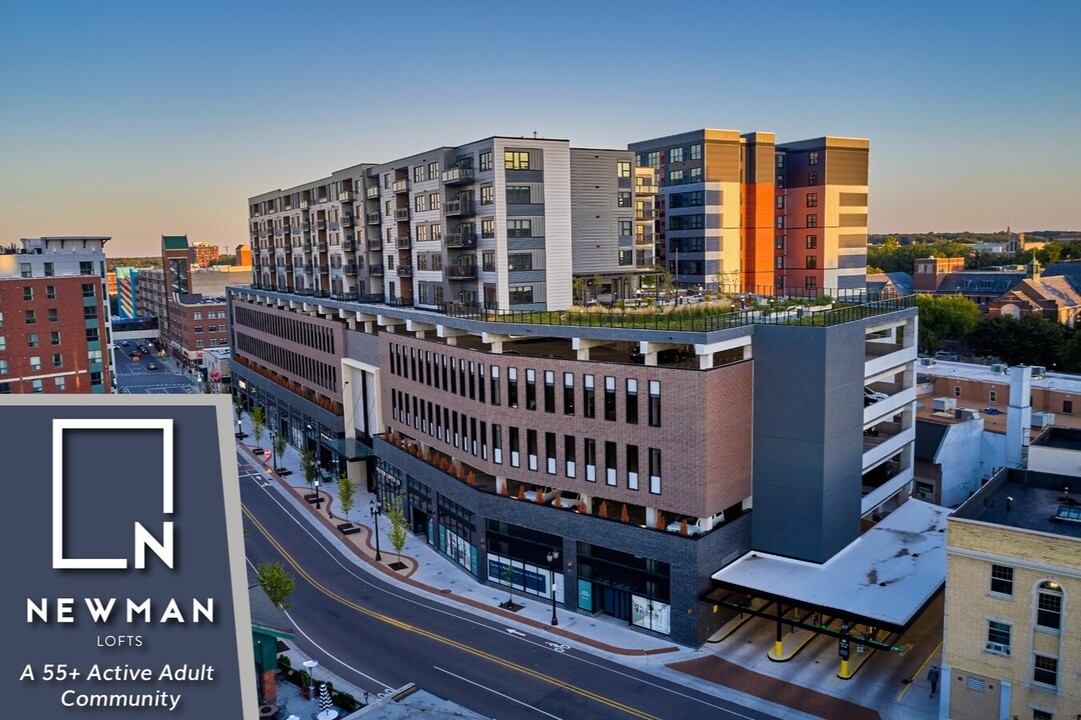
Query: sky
(138, 119)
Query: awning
(348, 448)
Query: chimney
(1019, 416)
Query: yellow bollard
(844, 669)
(778, 649)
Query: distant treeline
(898, 252)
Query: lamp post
(311, 665)
(274, 448)
(318, 497)
(553, 557)
(377, 509)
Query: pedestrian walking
(932, 677)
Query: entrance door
(615, 602)
(420, 522)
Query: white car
(872, 396)
(946, 355)
(567, 500)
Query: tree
(397, 526)
(276, 582)
(258, 423)
(346, 495)
(279, 443)
(945, 317)
(1071, 353)
(1032, 340)
(311, 469)
(579, 286)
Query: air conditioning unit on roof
(928, 362)
(945, 404)
(1038, 371)
(1043, 419)
(1000, 368)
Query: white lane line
(322, 649)
(496, 692)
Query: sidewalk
(434, 574)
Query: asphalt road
(133, 376)
(379, 636)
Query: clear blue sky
(137, 119)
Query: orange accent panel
(756, 250)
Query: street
(379, 636)
(135, 376)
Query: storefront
(629, 587)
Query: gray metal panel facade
(595, 215)
(808, 422)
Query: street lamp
(274, 448)
(318, 497)
(553, 557)
(377, 509)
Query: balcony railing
(457, 175)
(344, 295)
(461, 272)
(404, 242)
(401, 214)
(321, 245)
(401, 186)
(347, 221)
(305, 291)
(320, 224)
(645, 188)
(350, 269)
(373, 218)
(294, 230)
(645, 214)
(461, 239)
(345, 196)
(375, 270)
(372, 193)
(303, 204)
(458, 207)
(349, 245)
(405, 271)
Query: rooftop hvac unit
(966, 414)
(945, 404)
(928, 362)
(1043, 419)
(1000, 368)
(1038, 371)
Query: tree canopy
(945, 317)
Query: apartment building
(127, 292)
(745, 213)
(55, 332)
(205, 253)
(1012, 645)
(489, 223)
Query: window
(632, 467)
(32, 340)
(487, 195)
(54, 315)
(433, 170)
(696, 174)
(37, 386)
(54, 337)
(550, 453)
(28, 293)
(1045, 670)
(957, 391)
(812, 200)
(779, 223)
(626, 257)
(50, 292)
(3, 367)
(421, 231)
(531, 448)
(549, 392)
(675, 177)
(569, 444)
(1049, 606)
(812, 262)
(778, 242)
(568, 393)
(609, 398)
(31, 317)
(655, 403)
(654, 159)
(515, 450)
(812, 157)
(780, 202)
(519, 261)
(610, 462)
(435, 201)
(197, 315)
(1067, 407)
(90, 312)
(35, 363)
(521, 294)
(86, 267)
(60, 384)
(589, 408)
(623, 169)
(418, 173)
(696, 152)
(623, 199)
(998, 637)
(437, 234)
(519, 228)
(632, 401)
(812, 242)
(780, 160)
(25, 270)
(812, 220)
(512, 387)
(487, 230)
(518, 195)
(530, 389)
(88, 290)
(992, 396)
(58, 360)
(3, 342)
(590, 453)
(497, 443)
(655, 471)
(486, 160)
(420, 203)
(198, 329)
(812, 178)
(1042, 715)
(1002, 579)
(675, 155)
(494, 385)
(515, 160)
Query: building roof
(978, 281)
(1055, 289)
(929, 437)
(174, 242)
(886, 575)
(1060, 439)
(899, 282)
(1060, 382)
(1027, 501)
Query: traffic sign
(843, 649)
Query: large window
(610, 462)
(589, 395)
(655, 471)
(998, 637)
(569, 444)
(609, 398)
(655, 403)
(568, 393)
(519, 261)
(1045, 670)
(516, 160)
(521, 294)
(632, 467)
(486, 160)
(623, 169)
(518, 195)
(549, 391)
(675, 155)
(515, 451)
(812, 242)
(1002, 579)
(1049, 606)
(590, 452)
(487, 195)
(632, 401)
(512, 387)
(519, 228)
(530, 389)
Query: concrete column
(705, 362)
(500, 485)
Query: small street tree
(397, 526)
(346, 495)
(258, 423)
(276, 582)
(311, 469)
(579, 287)
(279, 442)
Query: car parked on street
(946, 355)
(152, 366)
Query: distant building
(1054, 298)
(54, 317)
(127, 292)
(243, 255)
(930, 272)
(889, 284)
(205, 254)
(1014, 577)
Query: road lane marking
(496, 692)
(615, 704)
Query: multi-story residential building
(743, 213)
(1012, 646)
(127, 292)
(205, 254)
(55, 333)
(492, 222)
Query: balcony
(455, 176)
(294, 230)
(347, 221)
(403, 242)
(645, 214)
(375, 270)
(349, 245)
(309, 267)
(320, 224)
(303, 204)
(307, 227)
(345, 196)
(461, 239)
(458, 207)
(344, 295)
(321, 246)
(405, 271)
(645, 188)
(350, 269)
(305, 291)
(372, 218)
(372, 192)
(401, 214)
(461, 272)
(400, 186)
